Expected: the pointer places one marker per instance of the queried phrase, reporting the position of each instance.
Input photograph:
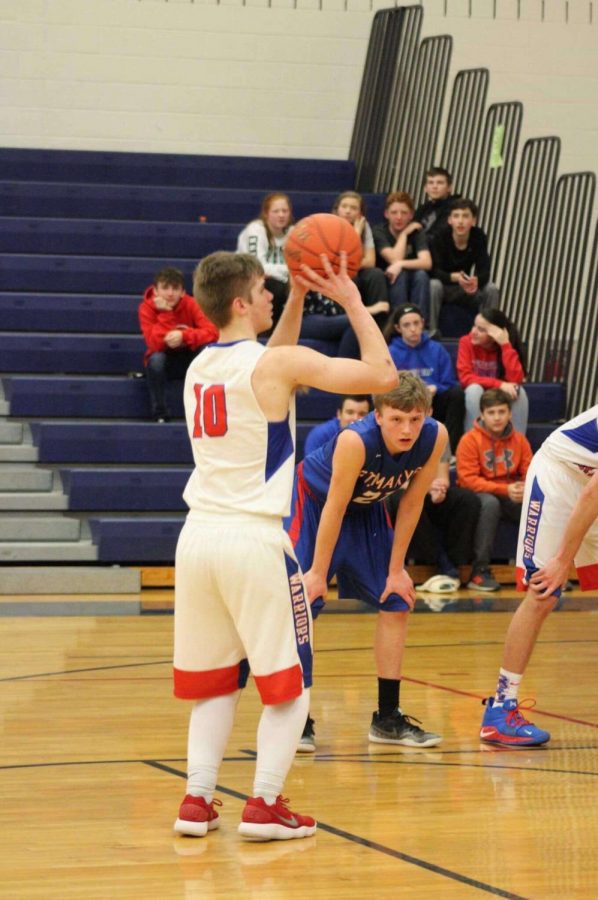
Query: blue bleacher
(138, 539)
(150, 203)
(125, 489)
(121, 397)
(84, 274)
(97, 313)
(173, 169)
(70, 353)
(92, 237)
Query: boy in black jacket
(461, 264)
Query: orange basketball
(323, 233)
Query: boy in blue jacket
(411, 349)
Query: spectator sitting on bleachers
(460, 264)
(264, 238)
(412, 349)
(370, 280)
(403, 253)
(444, 533)
(492, 460)
(323, 319)
(175, 330)
(434, 213)
(351, 408)
(491, 356)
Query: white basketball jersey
(576, 442)
(243, 463)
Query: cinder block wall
(259, 78)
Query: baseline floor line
(372, 845)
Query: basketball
(323, 233)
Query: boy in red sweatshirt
(492, 460)
(175, 330)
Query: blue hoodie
(429, 360)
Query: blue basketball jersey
(382, 474)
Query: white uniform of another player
(240, 601)
(558, 473)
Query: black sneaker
(482, 580)
(307, 741)
(399, 729)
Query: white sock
(210, 726)
(507, 686)
(278, 734)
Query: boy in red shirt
(175, 330)
(492, 460)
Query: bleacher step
(25, 478)
(39, 528)
(69, 580)
(11, 432)
(18, 453)
(33, 500)
(47, 551)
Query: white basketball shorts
(240, 605)
(551, 491)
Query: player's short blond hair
(411, 394)
(219, 278)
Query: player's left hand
(549, 578)
(402, 585)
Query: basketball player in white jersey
(240, 603)
(559, 527)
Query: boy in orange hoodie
(492, 460)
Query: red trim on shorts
(209, 683)
(295, 526)
(280, 686)
(520, 585)
(588, 577)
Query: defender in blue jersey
(339, 526)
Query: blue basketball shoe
(506, 725)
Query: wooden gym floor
(92, 766)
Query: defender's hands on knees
(315, 585)
(402, 585)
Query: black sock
(388, 696)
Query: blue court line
(372, 845)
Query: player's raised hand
(336, 286)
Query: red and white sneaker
(196, 817)
(261, 822)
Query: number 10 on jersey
(210, 411)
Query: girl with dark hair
(264, 238)
(491, 356)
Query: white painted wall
(201, 77)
